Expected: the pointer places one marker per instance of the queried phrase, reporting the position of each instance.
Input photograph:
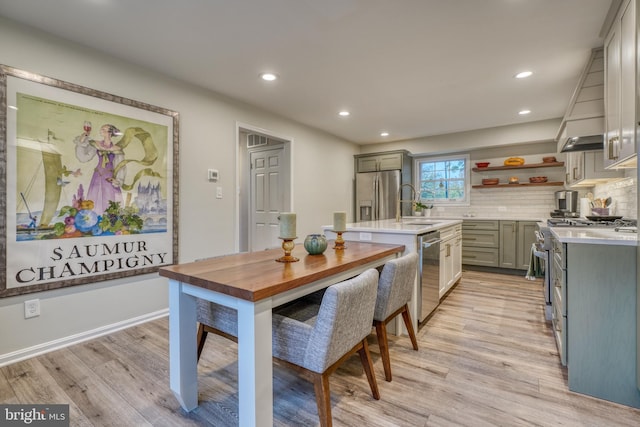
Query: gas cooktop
(619, 224)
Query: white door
(267, 197)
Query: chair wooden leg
(201, 338)
(381, 332)
(323, 398)
(367, 364)
(409, 325)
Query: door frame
(243, 168)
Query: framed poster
(89, 185)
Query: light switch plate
(218, 192)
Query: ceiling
(410, 67)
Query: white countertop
(408, 225)
(595, 236)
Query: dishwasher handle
(431, 242)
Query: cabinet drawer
(480, 225)
(481, 238)
(449, 232)
(480, 256)
(560, 333)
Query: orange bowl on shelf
(490, 181)
(538, 179)
(550, 159)
(482, 164)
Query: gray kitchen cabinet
(601, 325)
(481, 242)
(559, 297)
(508, 244)
(526, 238)
(516, 238)
(392, 160)
(620, 88)
(586, 169)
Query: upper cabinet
(620, 89)
(586, 169)
(392, 160)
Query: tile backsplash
(513, 203)
(623, 193)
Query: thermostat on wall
(213, 175)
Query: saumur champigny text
(100, 258)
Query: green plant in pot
(421, 209)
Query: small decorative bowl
(514, 180)
(490, 181)
(482, 164)
(538, 179)
(550, 159)
(315, 244)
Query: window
(443, 180)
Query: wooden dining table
(253, 283)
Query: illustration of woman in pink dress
(104, 186)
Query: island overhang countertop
(408, 225)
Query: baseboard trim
(27, 353)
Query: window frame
(466, 201)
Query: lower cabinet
(480, 243)
(450, 257)
(493, 243)
(516, 238)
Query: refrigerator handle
(375, 214)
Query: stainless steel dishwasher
(429, 274)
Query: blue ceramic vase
(315, 244)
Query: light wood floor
(486, 358)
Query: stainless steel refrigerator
(376, 195)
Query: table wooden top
(257, 275)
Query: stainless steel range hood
(583, 143)
(582, 127)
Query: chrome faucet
(399, 200)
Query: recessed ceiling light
(523, 75)
(384, 133)
(524, 112)
(268, 77)
(344, 113)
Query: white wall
(322, 172)
(503, 136)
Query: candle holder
(339, 244)
(287, 247)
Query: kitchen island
(595, 304)
(408, 232)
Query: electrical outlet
(31, 308)
(218, 192)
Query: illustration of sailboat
(41, 190)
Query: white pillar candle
(339, 221)
(287, 225)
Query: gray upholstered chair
(314, 339)
(217, 319)
(394, 293)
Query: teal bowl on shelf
(315, 244)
